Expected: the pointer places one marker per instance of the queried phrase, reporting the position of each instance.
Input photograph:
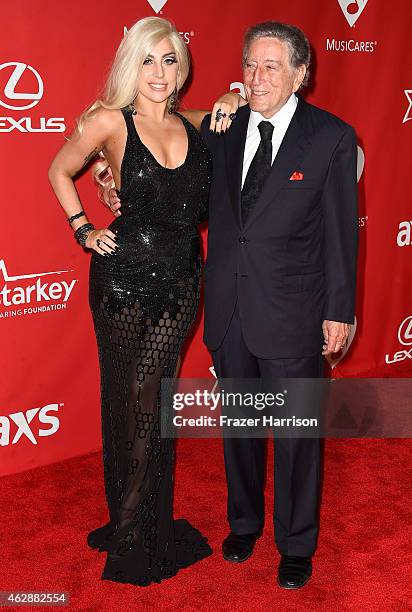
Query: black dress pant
(297, 460)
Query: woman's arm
(74, 155)
(227, 104)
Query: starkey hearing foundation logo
(20, 296)
(21, 89)
(23, 425)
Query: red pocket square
(296, 176)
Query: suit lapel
(234, 142)
(288, 159)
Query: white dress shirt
(280, 120)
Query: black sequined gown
(143, 300)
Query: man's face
(268, 76)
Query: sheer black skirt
(139, 339)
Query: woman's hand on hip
(103, 241)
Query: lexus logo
(352, 9)
(12, 96)
(405, 331)
(157, 5)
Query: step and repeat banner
(53, 62)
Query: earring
(173, 101)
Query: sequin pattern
(144, 299)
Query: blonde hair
(121, 87)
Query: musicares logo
(25, 299)
(352, 9)
(405, 338)
(25, 427)
(187, 36)
(157, 5)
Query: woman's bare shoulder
(194, 116)
(107, 118)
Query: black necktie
(258, 170)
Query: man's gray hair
(298, 44)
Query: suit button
(242, 239)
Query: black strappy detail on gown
(144, 299)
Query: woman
(144, 288)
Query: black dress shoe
(238, 548)
(294, 572)
(98, 538)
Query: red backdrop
(54, 57)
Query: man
(280, 269)
(279, 277)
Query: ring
(232, 116)
(219, 115)
(98, 242)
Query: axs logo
(21, 88)
(21, 425)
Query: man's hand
(109, 196)
(224, 107)
(335, 334)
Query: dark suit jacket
(293, 264)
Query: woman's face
(159, 73)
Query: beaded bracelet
(77, 216)
(82, 232)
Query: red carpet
(363, 562)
